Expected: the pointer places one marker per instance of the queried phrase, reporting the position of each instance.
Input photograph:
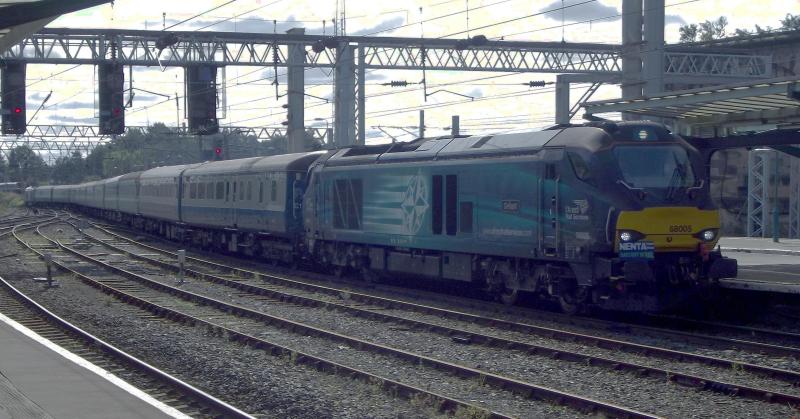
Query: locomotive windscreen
(655, 166)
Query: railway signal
(201, 99)
(12, 83)
(112, 102)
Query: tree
(688, 33)
(791, 22)
(3, 169)
(69, 170)
(25, 166)
(711, 30)
(705, 31)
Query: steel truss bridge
(351, 56)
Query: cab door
(550, 211)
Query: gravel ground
(647, 394)
(250, 379)
(717, 373)
(387, 366)
(515, 314)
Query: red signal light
(116, 111)
(17, 110)
(218, 151)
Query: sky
(501, 101)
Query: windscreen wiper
(677, 180)
(640, 192)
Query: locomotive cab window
(580, 167)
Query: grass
(10, 201)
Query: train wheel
(573, 301)
(338, 271)
(508, 297)
(369, 276)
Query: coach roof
(282, 162)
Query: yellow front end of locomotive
(669, 229)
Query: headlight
(709, 235)
(625, 236)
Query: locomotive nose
(668, 229)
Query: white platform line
(95, 369)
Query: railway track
(207, 269)
(254, 287)
(242, 324)
(158, 384)
(721, 336)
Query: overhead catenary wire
(278, 75)
(200, 14)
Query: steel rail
(196, 395)
(503, 383)
(665, 330)
(547, 332)
(11, 228)
(466, 336)
(665, 321)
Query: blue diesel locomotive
(613, 215)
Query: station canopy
(771, 101)
(21, 18)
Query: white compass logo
(415, 203)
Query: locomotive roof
(591, 136)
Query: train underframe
(670, 281)
(604, 281)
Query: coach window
(220, 190)
(274, 191)
(260, 192)
(241, 190)
(227, 191)
(193, 190)
(249, 190)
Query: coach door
(549, 211)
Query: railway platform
(763, 264)
(788, 247)
(39, 379)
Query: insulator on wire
(536, 83)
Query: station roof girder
(21, 18)
(772, 99)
